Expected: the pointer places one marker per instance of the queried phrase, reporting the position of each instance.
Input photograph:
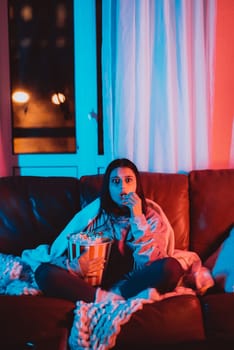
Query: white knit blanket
(96, 325)
(16, 277)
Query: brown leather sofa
(200, 207)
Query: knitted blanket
(96, 325)
(16, 276)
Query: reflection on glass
(42, 75)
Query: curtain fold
(158, 64)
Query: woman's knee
(173, 266)
(173, 271)
(45, 275)
(42, 271)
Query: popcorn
(87, 238)
(97, 245)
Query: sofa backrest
(33, 210)
(200, 207)
(211, 209)
(170, 191)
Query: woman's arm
(153, 236)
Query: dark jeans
(162, 274)
(54, 281)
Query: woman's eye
(128, 179)
(115, 181)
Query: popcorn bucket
(96, 245)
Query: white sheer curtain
(158, 59)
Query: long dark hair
(106, 202)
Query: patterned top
(143, 235)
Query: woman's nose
(123, 185)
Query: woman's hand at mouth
(133, 202)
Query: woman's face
(122, 181)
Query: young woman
(142, 244)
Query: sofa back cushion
(211, 209)
(170, 191)
(33, 210)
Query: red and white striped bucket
(101, 248)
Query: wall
(222, 132)
(223, 116)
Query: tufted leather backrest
(33, 210)
(170, 191)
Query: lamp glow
(58, 98)
(20, 97)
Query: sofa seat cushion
(32, 319)
(218, 315)
(176, 319)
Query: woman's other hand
(90, 267)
